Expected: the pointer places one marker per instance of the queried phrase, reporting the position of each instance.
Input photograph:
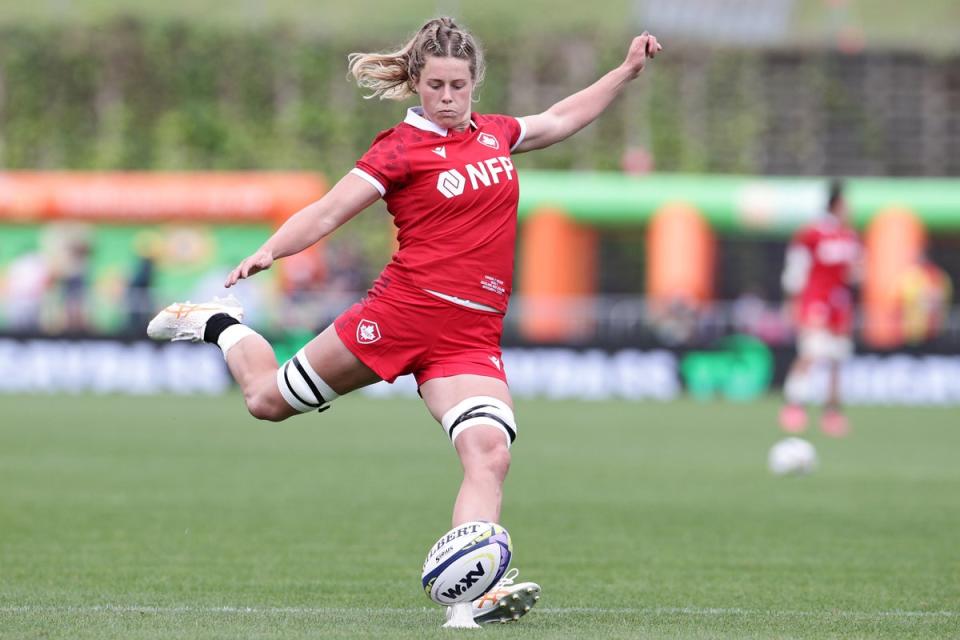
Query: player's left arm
(346, 199)
(573, 113)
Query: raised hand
(645, 46)
(259, 261)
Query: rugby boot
(506, 601)
(186, 321)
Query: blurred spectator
(301, 274)
(925, 292)
(753, 315)
(637, 161)
(320, 283)
(27, 281)
(345, 270)
(747, 310)
(674, 323)
(69, 248)
(140, 286)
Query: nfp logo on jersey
(452, 183)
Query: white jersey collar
(415, 118)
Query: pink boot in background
(793, 418)
(834, 424)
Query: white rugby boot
(187, 321)
(506, 601)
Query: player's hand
(260, 261)
(643, 47)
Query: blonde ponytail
(394, 75)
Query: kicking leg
(270, 392)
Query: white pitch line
(735, 611)
(319, 611)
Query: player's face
(445, 89)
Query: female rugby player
(437, 309)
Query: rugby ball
(792, 456)
(466, 562)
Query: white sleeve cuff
(523, 133)
(796, 270)
(369, 178)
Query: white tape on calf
(233, 334)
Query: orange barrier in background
(140, 197)
(895, 241)
(558, 271)
(680, 256)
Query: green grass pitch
(183, 518)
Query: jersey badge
(441, 151)
(488, 140)
(367, 331)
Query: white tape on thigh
(301, 387)
(480, 410)
(820, 344)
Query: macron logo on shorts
(367, 332)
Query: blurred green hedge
(132, 95)
(148, 95)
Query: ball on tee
(466, 562)
(792, 456)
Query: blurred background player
(822, 265)
(437, 309)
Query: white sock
(795, 388)
(232, 335)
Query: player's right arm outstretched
(349, 196)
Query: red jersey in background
(822, 266)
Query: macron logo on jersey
(452, 183)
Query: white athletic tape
(480, 410)
(820, 344)
(302, 387)
(233, 334)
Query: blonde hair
(394, 75)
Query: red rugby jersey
(453, 197)
(834, 251)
